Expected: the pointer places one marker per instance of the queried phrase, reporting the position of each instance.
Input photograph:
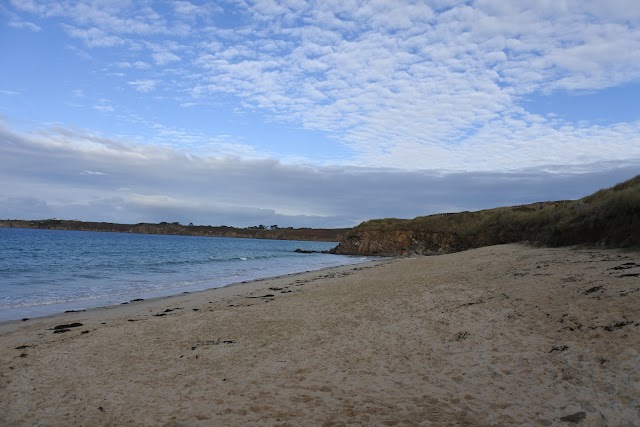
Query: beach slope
(501, 335)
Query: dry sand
(503, 335)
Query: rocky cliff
(609, 218)
(412, 242)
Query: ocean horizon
(44, 272)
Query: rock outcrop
(407, 242)
(607, 218)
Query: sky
(312, 114)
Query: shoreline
(140, 302)
(31, 312)
(501, 335)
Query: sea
(44, 272)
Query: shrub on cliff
(609, 217)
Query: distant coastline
(607, 218)
(258, 232)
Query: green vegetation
(609, 217)
(175, 228)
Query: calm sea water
(49, 271)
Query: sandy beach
(502, 335)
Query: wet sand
(503, 335)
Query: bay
(43, 272)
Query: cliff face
(374, 243)
(609, 218)
(412, 242)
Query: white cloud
(104, 108)
(404, 84)
(417, 89)
(24, 25)
(93, 37)
(140, 65)
(49, 8)
(164, 58)
(144, 86)
(79, 52)
(192, 10)
(117, 16)
(149, 183)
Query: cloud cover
(429, 97)
(74, 174)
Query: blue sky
(312, 113)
